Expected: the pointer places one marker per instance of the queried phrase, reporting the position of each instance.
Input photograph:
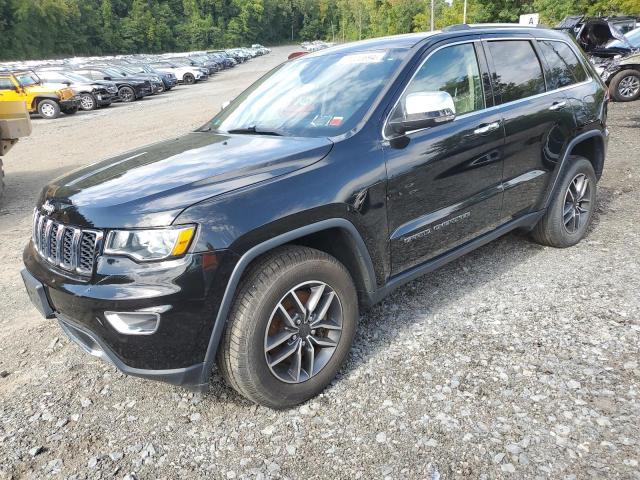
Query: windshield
(315, 96)
(633, 37)
(27, 79)
(112, 73)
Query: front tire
(290, 328)
(188, 79)
(126, 94)
(88, 102)
(49, 109)
(571, 209)
(625, 86)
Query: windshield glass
(113, 73)
(633, 37)
(27, 79)
(314, 96)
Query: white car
(184, 74)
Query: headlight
(153, 244)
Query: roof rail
(470, 26)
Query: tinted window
(6, 84)
(517, 70)
(565, 68)
(453, 70)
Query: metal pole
(432, 10)
(464, 12)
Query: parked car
(327, 184)
(618, 64)
(185, 73)
(47, 100)
(157, 86)
(129, 89)
(91, 95)
(168, 78)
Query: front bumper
(105, 99)
(188, 291)
(70, 103)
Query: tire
(560, 226)
(88, 102)
(188, 79)
(70, 111)
(255, 320)
(126, 94)
(625, 86)
(49, 109)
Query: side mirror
(107, 78)
(424, 110)
(67, 82)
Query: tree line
(54, 28)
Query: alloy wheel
(87, 102)
(303, 332)
(629, 86)
(577, 202)
(126, 94)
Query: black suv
(334, 179)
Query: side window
(565, 68)
(6, 84)
(453, 70)
(518, 73)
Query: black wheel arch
(329, 235)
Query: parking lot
(514, 361)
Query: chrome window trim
(494, 107)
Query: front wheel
(625, 86)
(189, 79)
(126, 94)
(290, 328)
(49, 109)
(571, 209)
(88, 102)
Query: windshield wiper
(253, 130)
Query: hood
(152, 185)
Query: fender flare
(44, 96)
(564, 162)
(364, 261)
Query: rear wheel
(70, 110)
(49, 109)
(290, 328)
(571, 209)
(88, 102)
(189, 79)
(625, 86)
(126, 94)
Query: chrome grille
(69, 248)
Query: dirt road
(516, 361)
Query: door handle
(558, 105)
(489, 127)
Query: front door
(10, 91)
(444, 182)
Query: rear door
(537, 118)
(444, 181)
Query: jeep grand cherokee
(340, 175)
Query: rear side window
(564, 67)
(518, 73)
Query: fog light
(134, 323)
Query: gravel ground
(516, 361)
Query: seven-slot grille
(69, 248)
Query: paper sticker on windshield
(361, 58)
(336, 121)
